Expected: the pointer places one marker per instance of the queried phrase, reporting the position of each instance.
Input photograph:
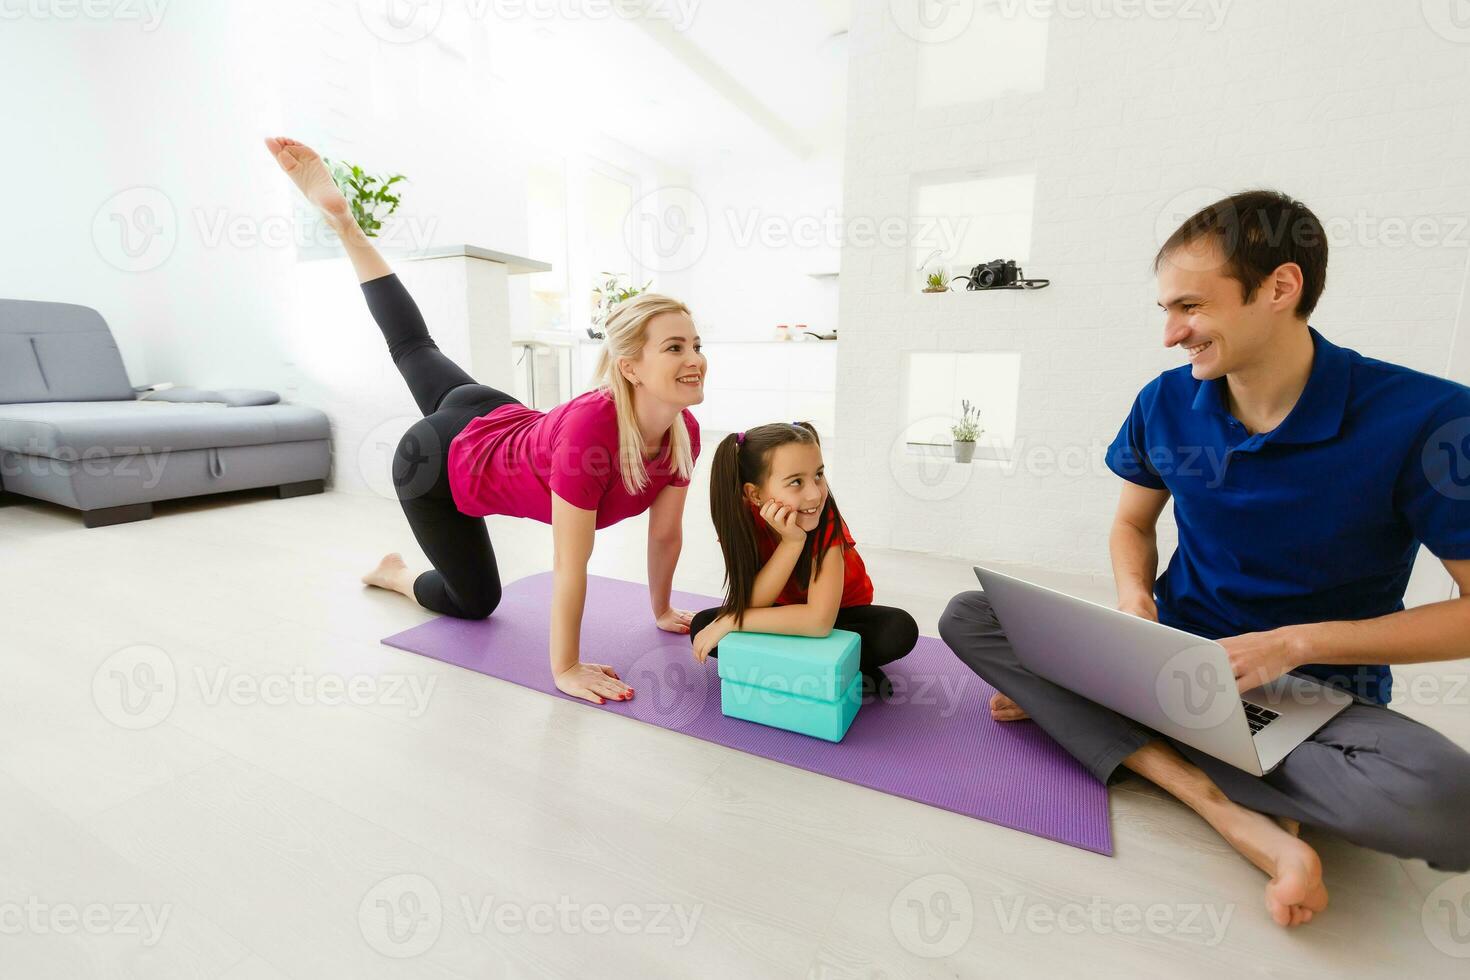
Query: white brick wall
(1357, 108)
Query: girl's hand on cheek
(783, 519)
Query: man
(1304, 477)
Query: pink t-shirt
(511, 460)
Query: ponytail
(743, 458)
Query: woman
(625, 447)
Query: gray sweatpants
(1371, 775)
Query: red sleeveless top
(857, 587)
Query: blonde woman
(626, 447)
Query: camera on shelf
(1000, 274)
(994, 275)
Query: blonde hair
(627, 332)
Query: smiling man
(1305, 477)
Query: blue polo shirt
(1319, 519)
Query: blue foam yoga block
(818, 667)
(794, 713)
(803, 684)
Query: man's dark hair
(1257, 232)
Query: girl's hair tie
(740, 439)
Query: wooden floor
(170, 807)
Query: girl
(790, 561)
(626, 447)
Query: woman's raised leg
(429, 374)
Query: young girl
(790, 561)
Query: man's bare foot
(305, 168)
(1003, 708)
(1295, 892)
(393, 574)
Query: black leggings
(465, 580)
(887, 633)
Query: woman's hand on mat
(1003, 708)
(675, 620)
(1142, 606)
(783, 520)
(1260, 658)
(709, 637)
(593, 682)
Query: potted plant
(608, 293)
(936, 283)
(366, 194)
(965, 432)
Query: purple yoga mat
(934, 743)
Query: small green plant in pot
(965, 432)
(608, 293)
(368, 196)
(936, 283)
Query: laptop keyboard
(1259, 717)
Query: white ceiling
(743, 81)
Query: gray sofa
(74, 431)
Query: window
(938, 381)
(1001, 50)
(960, 223)
(546, 232)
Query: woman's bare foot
(392, 574)
(1003, 708)
(1295, 892)
(305, 168)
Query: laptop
(1176, 683)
